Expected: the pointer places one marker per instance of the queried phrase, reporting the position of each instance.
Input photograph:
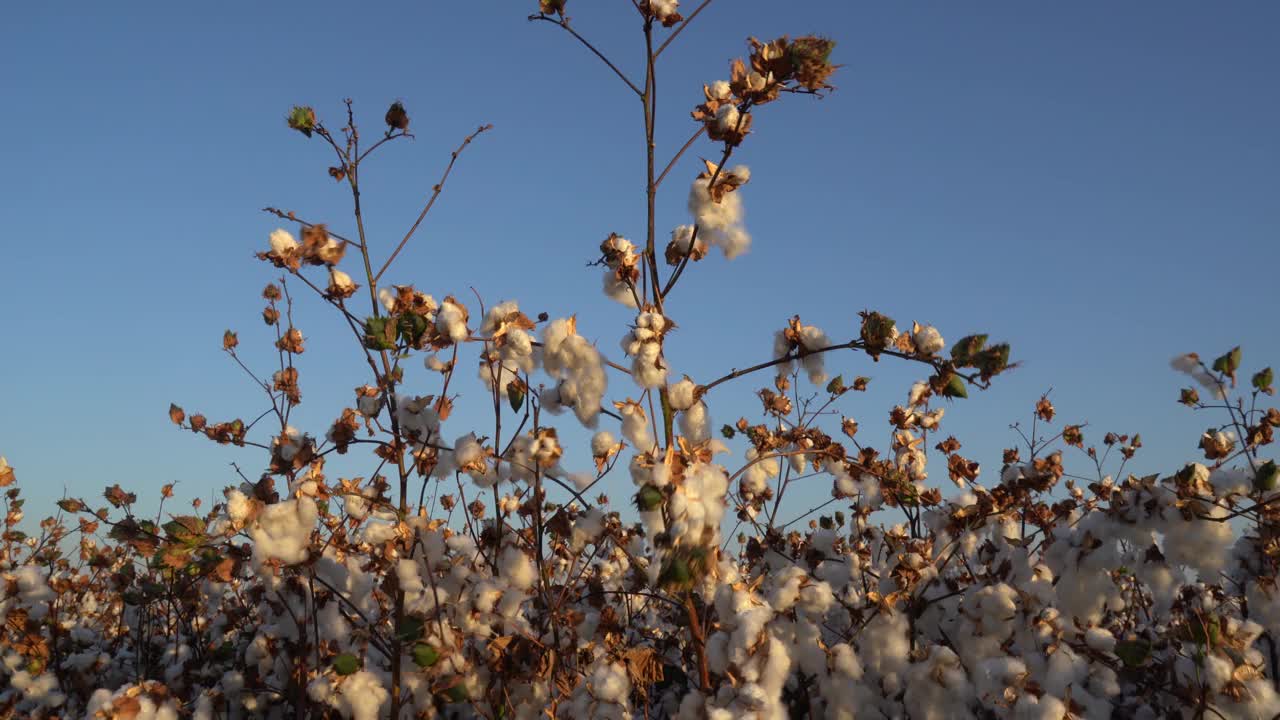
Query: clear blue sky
(1097, 183)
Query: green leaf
(303, 119)
(1262, 380)
(1133, 652)
(955, 388)
(424, 655)
(649, 498)
(457, 693)
(409, 629)
(1268, 476)
(346, 664)
(411, 326)
(378, 334)
(1203, 632)
(515, 395)
(966, 348)
(1228, 363)
(186, 529)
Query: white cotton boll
(609, 683)
(1045, 707)
(813, 338)
(283, 531)
(682, 394)
(282, 241)
(695, 424)
(930, 420)
(757, 475)
(719, 223)
(682, 236)
(617, 290)
(720, 90)
(603, 443)
(928, 340)
(516, 568)
(814, 368)
(451, 321)
(732, 241)
(238, 506)
(434, 363)
(362, 696)
(727, 117)
(1229, 481)
(581, 480)
(586, 529)
(635, 427)
(919, 394)
(378, 533)
(387, 297)
(1187, 363)
(1100, 639)
(787, 589)
(816, 598)
(568, 357)
(663, 8)
(340, 281)
(496, 315)
(1217, 671)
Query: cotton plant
(478, 569)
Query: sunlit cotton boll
(282, 241)
(928, 340)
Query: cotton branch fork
(435, 193)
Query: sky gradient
(1096, 183)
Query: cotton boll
(719, 90)
(451, 320)
(603, 444)
(727, 118)
(928, 340)
(681, 394)
(568, 357)
(618, 291)
(362, 696)
(919, 394)
(695, 424)
(387, 297)
(756, 477)
(283, 531)
(238, 506)
(516, 568)
(1100, 639)
(581, 480)
(282, 241)
(720, 223)
(635, 426)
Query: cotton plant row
(477, 571)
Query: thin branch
(288, 215)
(435, 193)
(680, 28)
(687, 144)
(375, 146)
(851, 345)
(564, 23)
